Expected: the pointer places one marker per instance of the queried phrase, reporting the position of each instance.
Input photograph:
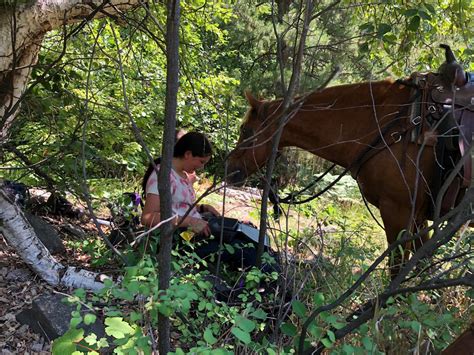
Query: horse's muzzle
(236, 177)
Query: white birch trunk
(22, 29)
(20, 235)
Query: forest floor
(19, 286)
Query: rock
(37, 347)
(46, 233)
(50, 317)
(20, 275)
(60, 206)
(17, 191)
(74, 230)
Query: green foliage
(189, 302)
(395, 34)
(67, 344)
(93, 247)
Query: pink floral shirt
(182, 193)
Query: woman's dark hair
(195, 142)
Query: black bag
(233, 228)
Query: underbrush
(324, 246)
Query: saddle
(455, 105)
(461, 102)
(462, 97)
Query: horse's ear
(253, 102)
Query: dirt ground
(18, 287)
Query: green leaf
(330, 319)
(415, 325)
(383, 29)
(424, 15)
(102, 343)
(366, 27)
(135, 316)
(259, 314)
(165, 310)
(66, 344)
(220, 352)
(414, 23)
(209, 337)
(91, 339)
(331, 336)
(89, 318)
(430, 8)
(245, 324)
(364, 47)
(81, 293)
(75, 321)
(288, 329)
(241, 335)
(229, 248)
(117, 328)
(326, 342)
(318, 299)
(338, 325)
(298, 308)
(315, 331)
(133, 286)
(348, 349)
(367, 342)
(390, 38)
(410, 12)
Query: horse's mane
(265, 104)
(375, 83)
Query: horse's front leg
(396, 219)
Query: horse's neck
(339, 123)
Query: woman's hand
(210, 209)
(199, 226)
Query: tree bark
(21, 236)
(172, 84)
(22, 30)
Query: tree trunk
(22, 29)
(172, 85)
(20, 235)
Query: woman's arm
(208, 208)
(151, 216)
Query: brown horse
(376, 130)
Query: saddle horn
(451, 72)
(450, 58)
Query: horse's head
(255, 141)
